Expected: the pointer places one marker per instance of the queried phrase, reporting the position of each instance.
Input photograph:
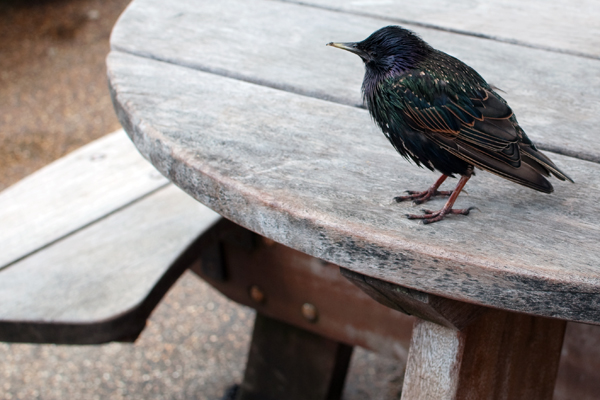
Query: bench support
(286, 362)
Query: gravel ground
(54, 99)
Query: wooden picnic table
(241, 105)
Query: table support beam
(286, 362)
(502, 355)
(465, 351)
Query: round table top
(253, 116)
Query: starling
(441, 114)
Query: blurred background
(54, 99)
(53, 93)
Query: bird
(441, 114)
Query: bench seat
(90, 244)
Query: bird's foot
(430, 216)
(422, 197)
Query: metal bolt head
(310, 312)
(257, 294)
(268, 242)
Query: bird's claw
(422, 197)
(430, 216)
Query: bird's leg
(422, 197)
(435, 216)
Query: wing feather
(479, 127)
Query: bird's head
(388, 50)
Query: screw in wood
(268, 242)
(309, 311)
(257, 294)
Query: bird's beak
(351, 47)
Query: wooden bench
(81, 261)
(242, 105)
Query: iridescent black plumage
(441, 114)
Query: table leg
(502, 355)
(286, 362)
(464, 351)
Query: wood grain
(500, 356)
(282, 45)
(510, 356)
(579, 364)
(558, 25)
(433, 364)
(72, 193)
(106, 268)
(318, 177)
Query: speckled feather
(441, 114)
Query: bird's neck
(370, 86)
(403, 62)
(373, 81)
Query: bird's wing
(477, 119)
(474, 124)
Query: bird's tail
(532, 156)
(530, 173)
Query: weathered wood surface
(318, 177)
(555, 96)
(500, 356)
(72, 193)
(79, 289)
(64, 282)
(559, 25)
(98, 277)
